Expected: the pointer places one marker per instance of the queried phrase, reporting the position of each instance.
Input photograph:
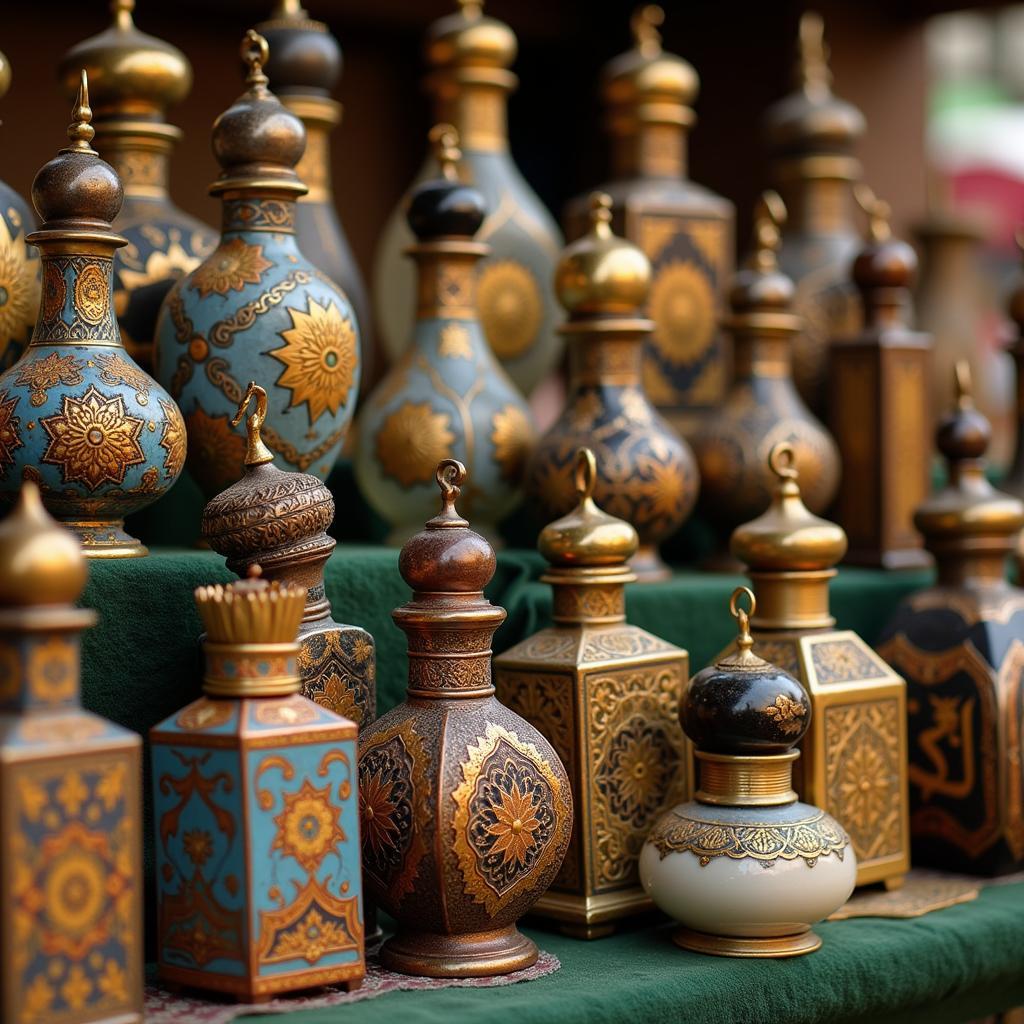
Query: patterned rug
(163, 1007)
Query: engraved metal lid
(257, 140)
(587, 536)
(445, 207)
(471, 41)
(135, 77)
(885, 263)
(305, 58)
(268, 515)
(602, 274)
(788, 537)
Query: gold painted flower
(377, 813)
(77, 989)
(39, 375)
(216, 451)
(412, 441)
(92, 288)
(115, 369)
(320, 355)
(663, 492)
(233, 265)
(309, 827)
(72, 793)
(786, 713)
(511, 307)
(172, 439)
(9, 427)
(682, 306)
(198, 845)
(92, 439)
(52, 670)
(362, 649)
(37, 999)
(112, 982)
(514, 825)
(454, 342)
(512, 436)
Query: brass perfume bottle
(606, 695)
(878, 404)
(469, 55)
(960, 646)
(305, 65)
(854, 754)
(256, 813)
(71, 937)
(135, 78)
(279, 521)
(685, 230)
(466, 808)
(20, 267)
(763, 406)
(646, 472)
(812, 137)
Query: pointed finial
(644, 24)
(769, 216)
(601, 214)
(962, 385)
(445, 141)
(255, 53)
(878, 211)
(742, 616)
(256, 452)
(814, 73)
(81, 131)
(122, 12)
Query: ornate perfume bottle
(469, 55)
(854, 755)
(447, 395)
(255, 807)
(745, 868)
(646, 472)
(256, 308)
(606, 695)
(762, 407)
(279, 521)
(685, 230)
(305, 65)
(135, 78)
(960, 646)
(466, 809)
(71, 843)
(878, 384)
(19, 263)
(812, 136)
(77, 416)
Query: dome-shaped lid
(587, 536)
(470, 39)
(445, 207)
(646, 73)
(602, 274)
(743, 704)
(76, 188)
(813, 121)
(5, 75)
(788, 537)
(257, 140)
(133, 75)
(41, 563)
(267, 510)
(760, 287)
(305, 59)
(968, 507)
(884, 262)
(447, 557)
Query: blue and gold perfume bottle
(257, 308)
(256, 812)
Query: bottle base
(105, 538)
(472, 955)
(774, 946)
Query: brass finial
(644, 24)
(601, 214)
(962, 384)
(256, 452)
(122, 12)
(769, 216)
(450, 476)
(815, 76)
(586, 474)
(742, 616)
(877, 210)
(255, 52)
(445, 141)
(81, 131)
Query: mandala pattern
(842, 661)
(511, 307)
(321, 355)
(308, 828)
(412, 441)
(54, 370)
(93, 440)
(52, 670)
(92, 293)
(511, 435)
(338, 669)
(682, 306)
(233, 265)
(636, 771)
(10, 427)
(216, 451)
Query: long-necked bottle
(135, 78)
(469, 55)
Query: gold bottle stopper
(761, 295)
(877, 211)
(473, 46)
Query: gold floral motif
(233, 265)
(114, 370)
(511, 307)
(55, 290)
(92, 289)
(454, 342)
(52, 670)
(19, 286)
(92, 439)
(808, 839)
(172, 439)
(787, 714)
(682, 306)
(216, 450)
(412, 441)
(320, 355)
(842, 661)
(39, 375)
(10, 426)
(309, 826)
(314, 925)
(511, 435)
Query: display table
(142, 662)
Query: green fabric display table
(142, 662)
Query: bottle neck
(479, 112)
(588, 596)
(446, 279)
(651, 151)
(762, 352)
(305, 569)
(251, 669)
(320, 117)
(974, 567)
(819, 206)
(142, 162)
(40, 651)
(244, 214)
(604, 352)
(886, 307)
(734, 780)
(792, 600)
(76, 306)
